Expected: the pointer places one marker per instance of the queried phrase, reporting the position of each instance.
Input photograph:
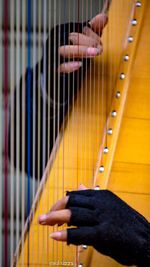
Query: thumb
(99, 22)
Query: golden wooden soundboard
(78, 154)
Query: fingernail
(42, 219)
(100, 48)
(76, 64)
(55, 235)
(93, 51)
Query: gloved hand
(105, 222)
(108, 224)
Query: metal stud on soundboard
(110, 131)
(122, 76)
(106, 150)
(97, 188)
(130, 39)
(126, 58)
(114, 113)
(101, 169)
(118, 94)
(84, 246)
(134, 22)
(138, 4)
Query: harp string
(99, 96)
(93, 101)
(29, 9)
(1, 136)
(90, 93)
(39, 105)
(34, 122)
(81, 120)
(12, 172)
(86, 162)
(54, 119)
(44, 99)
(44, 84)
(23, 117)
(5, 163)
(17, 122)
(63, 123)
(49, 101)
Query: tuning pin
(134, 22)
(84, 247)
(122, 76)
(138, 4)
(101, 169)
(114, 113)
(110, 131)
(118, 94)
(106, 150)
(126, 57)
(130, 39)
(97, 187)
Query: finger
(82, 39)
(83, 217)
(69, 67)
(59, 236)
(75, 51)
(99, 22)
(55, 217)
(82, 235)
(60, 204)
(79, 200)
(82, 187)
(86, 192)
(90, 33)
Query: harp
(104, 139)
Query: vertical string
(39, 92)
(34, 109)
(93, 100)
(81, 122)
(23, 143)
(86, 162)
(73, 77)
(12, 87)
(54, 110)
(34, 122)
(98, 95)
(90, 93)
(49, 103)
(44, 84)
(59, 7)
(108, 70)
(6, 133)
(39, 107)
(28, 117)
(63, 123)
(103, 95)
(1, 141)
(17, 122)
(49, 79)
(68, 87)
(44, 89)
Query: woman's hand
(103, 221)
(83, 45)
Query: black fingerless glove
(108, 224)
